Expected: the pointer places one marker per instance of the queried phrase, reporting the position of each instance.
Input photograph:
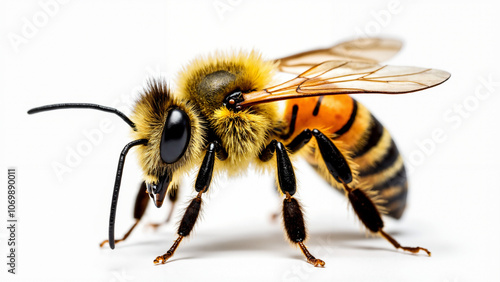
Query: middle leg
(292, 213)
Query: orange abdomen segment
(326, 113)
(364, 140)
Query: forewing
(347, 77)
(368, 50)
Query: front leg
(292, 213)
(362, 204)
(193, 210)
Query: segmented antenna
(116, 189)
(121, 161)
(82, 106)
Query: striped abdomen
(359, 135)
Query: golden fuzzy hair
(149, 115)
(250, 70)
(243, 133)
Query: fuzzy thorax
(206, 81)
(244, 134)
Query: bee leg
(295, 229)
(193, 210)
(299, 141)
(141, 203)
(172, 196)
(292, 213)
(268, 152)
(370, 216)
(296, 144)
(265, 155)
(363, 206)
(185, 227)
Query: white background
(102, 52)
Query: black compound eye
(175, 137)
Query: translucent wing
(369, 50)
(347, 77)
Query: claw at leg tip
(157, 261)
(317, 263)
(161, 259)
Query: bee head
(174, 133)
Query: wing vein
(372, 72)
(329, 70)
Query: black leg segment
(365, 209)
(207, 167)
(295, 227)
(185, 227)
(294, 221)
(370, 216)
(190, 217)
(299, 141)
(268, 152)
(334, 160)
(286, 176)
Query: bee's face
(174, 142)
(175, 125)
(174, 133)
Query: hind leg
(362, 204)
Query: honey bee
(223, 117)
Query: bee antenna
(116, 189)
(82, 106)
